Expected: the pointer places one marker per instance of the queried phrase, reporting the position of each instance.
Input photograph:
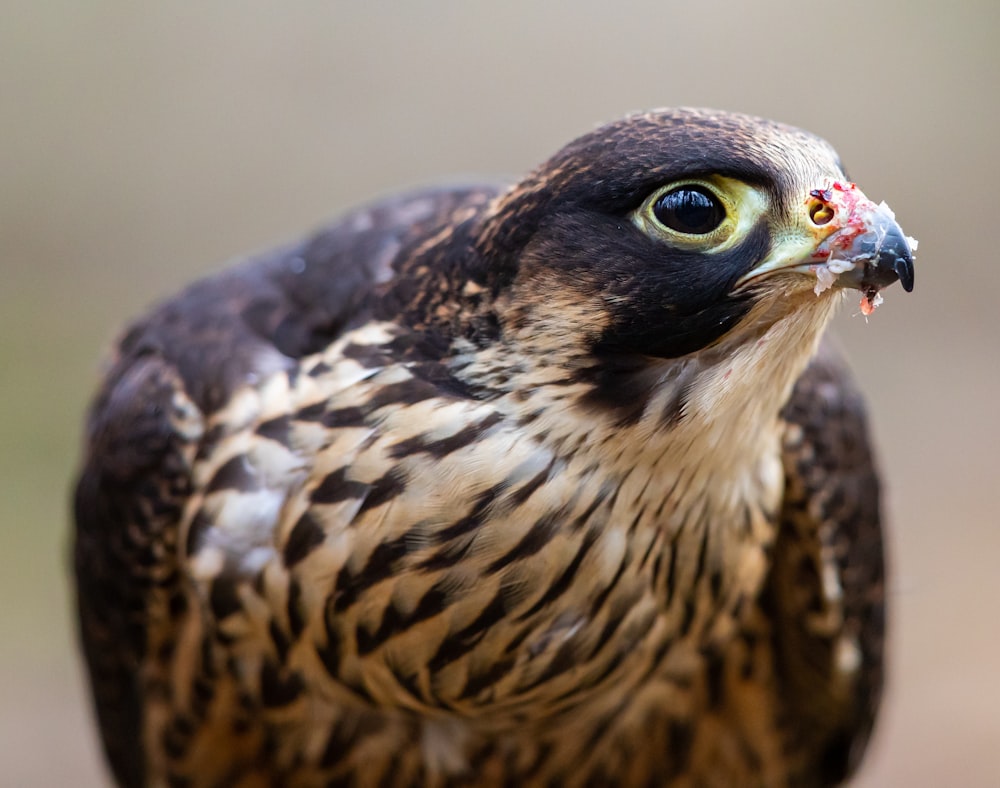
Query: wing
(145, 428)
(826, 588)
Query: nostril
(820, 212)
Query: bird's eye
(691, 209)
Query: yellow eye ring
(694, 212)
(723, 211)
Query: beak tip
(893, 259)
(904, 270)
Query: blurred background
(142, 145)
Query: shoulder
(262, 314)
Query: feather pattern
(383, 508)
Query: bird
(554, 483)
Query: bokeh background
(142, 145)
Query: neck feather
(714, 412)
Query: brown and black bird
(547, 485)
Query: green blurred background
(142, 145)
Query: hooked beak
(849, 242)
(880, 256)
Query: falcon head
(671, 233)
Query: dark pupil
(689, 209)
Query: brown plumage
(483, 487)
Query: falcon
(555, 484)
